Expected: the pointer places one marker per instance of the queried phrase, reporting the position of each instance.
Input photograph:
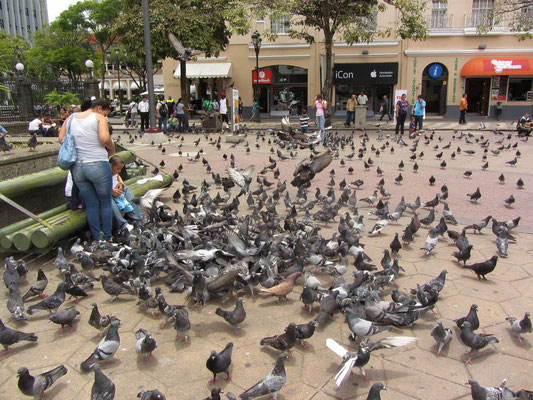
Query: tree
(352, 20)
(61, 99)
(12, 51)
(517, 13)
(198, 24)
(96, 18)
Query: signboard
(365, 74)
(397, 97)
(435, 71)
(234, 106)
(498, 66)
(265, 77)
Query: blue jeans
(162, 124)
(95, 182)
(118, 220)
(350, 117)
(418, 121)
(181, 122)
(320, 121)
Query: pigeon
(431, 241)
(271, 384)
(112, 288)
(103, 388)
(306, 170)
(106, 349)
(479, 392)
(151, 395)
(519, 326)
(145, 344)
(442, 336)
(235, 317)
(38, 287)
(471, 317)
(283, 289)
(36, 385)
(5, 146)
(32, 142)
(305, 331)
(15, 305)
(65, 317)
(61, 263)
(10, 336)
(435, 284)
(284, 341)
(99, 321)
(483, 268)
(217, 363)
(395, 245)
(182, 323)
(478, 226)
(375, 391)
(51, 302)
(361, 358)
(148, 199)
(474, 340)
(363, 328)
(475, 196)
(378, 227)
(11, 276)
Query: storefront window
(289, 74)
(519, 88)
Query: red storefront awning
(498, 66)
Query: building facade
(23, 17)
(492, 69)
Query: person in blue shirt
(3, 131)
(304, 122)
(418, 111)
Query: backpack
(163, 110)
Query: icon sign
(373, 74)
(435, 71)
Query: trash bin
(499, 110)
(212, 122)
(360, 117)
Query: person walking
(321, 106)
(255, 111)
(350, 110)
(144, 112)
(402, 106)
(385, 108)
(418, 112)
(463, 106)
(91, 172)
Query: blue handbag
(67, 151)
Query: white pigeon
(148, 199)
(431, 242)
(380, 225)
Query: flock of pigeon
(215, 249)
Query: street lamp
(256, 40)
(19, 67)
(25, 98)
(89, 64)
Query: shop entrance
(478, 90)
(434, 88)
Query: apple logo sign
(373, 74)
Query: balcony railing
(440, 21)
(481, 18)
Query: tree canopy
(12, 51)
(352, 20)
(517, 14)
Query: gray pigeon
(15, 305)
(65, 317)
(375, 391)
(61, 263)
(442, 336)
(32, 142)
(151, 395)
(38, 287)
(470, 317)
(474, 340)
(479, 392)
(11, 276)
(235, 317)
(5, 146)
(51, 302)
(106, 349)
(182, 323)
(10, 336)
(103, 387)
(36, 385)
(220, 362)
(271, 384)
(363, 328)
(145, 344)
(520, 326)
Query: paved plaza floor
(412, 372)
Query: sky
(56, 7)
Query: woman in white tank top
(92, 172)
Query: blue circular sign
(435, 71)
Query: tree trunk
(328, 83)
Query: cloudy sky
(55, 7)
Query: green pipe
(28, 183)
(45, 237)
(17, 226)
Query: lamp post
(90, 65)
(25, 98)
(91, 85)
(118, 65)
(256, 40)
